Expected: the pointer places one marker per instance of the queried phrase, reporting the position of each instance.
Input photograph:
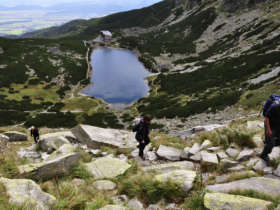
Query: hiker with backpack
(35, 133)
(142, 134)
(271, 113)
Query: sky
(53, 2)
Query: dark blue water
(118, 76)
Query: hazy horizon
(43, 3)
(21, 16)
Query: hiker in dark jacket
(35, 133)
(142, 134)
(272, 129)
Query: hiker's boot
(265, 158)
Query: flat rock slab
(104, 185)
(24, 191)
(107, 167)
(169, 153)
(113, 207)
(16, 136)
(184, 178)
(95, 137)
(167, 167)
(217, 201)
(209, 158)
(260, 184)
(50, 169)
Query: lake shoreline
(94, 47)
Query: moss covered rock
(27, 192)
(217, 201)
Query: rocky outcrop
(193, 3)
(169, 153)
(50, 169)
(234, 5)
(107, 167)
(95, 137)
(259, 184)
(233, 202)
(27, 192)
(16, 136)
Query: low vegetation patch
(149, 190)
(226, 136)
(158, 139)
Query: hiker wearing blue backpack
(271, 113)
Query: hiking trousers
(141, 147)
(270, 142)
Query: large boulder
(95, 137)
(52, 168)
(52, 143)
(233, 202)
(16, 136)
(169, 153)
(27, 192)
(168, 167)
(107, 167)
(260, 184)
(66, 134)
(185, 178)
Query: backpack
(274, 98)
(136, 126)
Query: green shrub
(82, 172)
(195, 200)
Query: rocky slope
(82, 169)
